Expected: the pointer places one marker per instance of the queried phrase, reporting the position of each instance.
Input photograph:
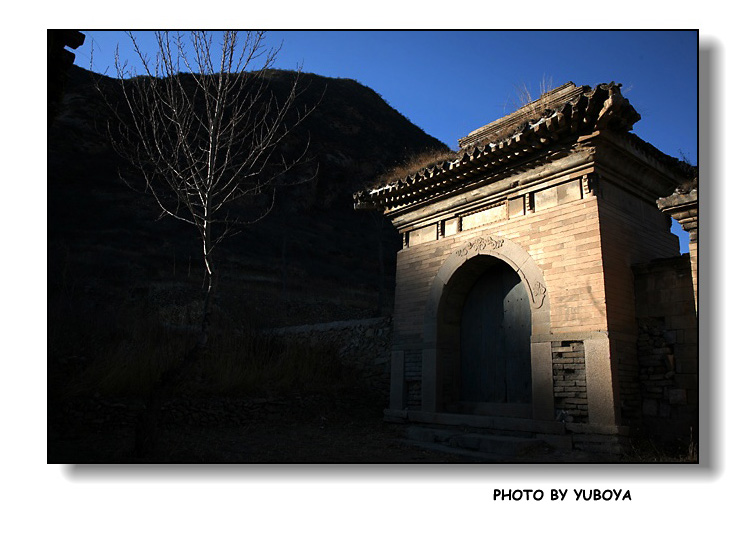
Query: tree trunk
(207, 311)
(207, 305)
(148, 426)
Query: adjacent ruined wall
(667, 348)
(682, 205)
(632, 231)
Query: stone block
(484, 217)
(687, 381)
(650, 407)
(516, 207)
(686, 366)
(570, 191)
(422, 235)
(451, 226)
(681, 321)
(678, 396)
(546, 198)
(397, 387)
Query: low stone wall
(365, 345)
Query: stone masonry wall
(667, 348)
(363, 344)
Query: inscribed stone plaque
(451, 226)
(546, 198)
(496, 213)
(422, 235)
(516, 207)
(570, 191)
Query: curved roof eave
(587, 109)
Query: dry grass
(259, 363)
(527, 103)
(646, 450)
(114, 354)
(413, 164)
(125, 353)
(529, 107)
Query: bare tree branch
(203, 130)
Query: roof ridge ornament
(617, 113)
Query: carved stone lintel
(536, 289)
(480, 244)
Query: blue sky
(452, 82)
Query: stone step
(491, 446)
(499, 423)
(466, 455)
(543, 456)
(504, 446)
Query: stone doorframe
(470, 259)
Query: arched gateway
(493, 366)
(515, 305)
(484, 304)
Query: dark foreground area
(346, 427)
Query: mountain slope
(312, 259)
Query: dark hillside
(312, 259)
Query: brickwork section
(563, 240)
(569, 381)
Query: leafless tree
(201, 127)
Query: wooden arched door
(495, 358)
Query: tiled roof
(567, 110)
(505, 125)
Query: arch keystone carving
(503, 249)
(480, 244)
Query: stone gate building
(540, 291)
